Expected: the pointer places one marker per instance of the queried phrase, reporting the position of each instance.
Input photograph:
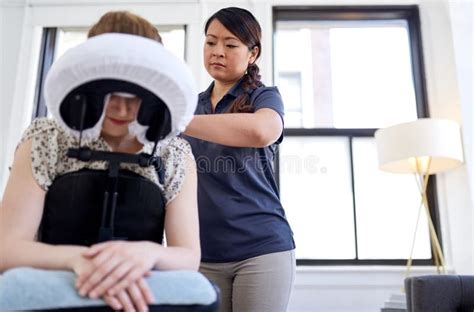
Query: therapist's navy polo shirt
(240, 212)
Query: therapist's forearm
(238, 130)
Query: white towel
(28, 288)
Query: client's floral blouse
(50, 143)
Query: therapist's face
(226, 58)
(120, 112)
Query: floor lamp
(422, 147)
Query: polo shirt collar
(233, 93)
(237, 89)
(207, 92)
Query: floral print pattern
(50, 143)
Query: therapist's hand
(117, 265)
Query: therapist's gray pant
(260, 284)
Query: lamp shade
(401, 147)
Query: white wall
(462, 15)
(447, 44)
(444, 102)
(11, 27)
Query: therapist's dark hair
(246, 28)
(124, 22)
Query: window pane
(173, 39)
(291, 84)
(387, 206)
(353, 74)
(315, 184)
(68, 38)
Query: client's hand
(135, 298)
(80, 264)
(117, 265)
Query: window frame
(409, 13)
(46, 59)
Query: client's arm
(21, 212)
(20, 215)
(118, 264)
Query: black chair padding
(73, 209)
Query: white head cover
(137, 60)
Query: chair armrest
(28, 288)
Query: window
(347, 72)
(56, 41)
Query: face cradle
(226, 58)
(120, 112)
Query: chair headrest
(111, 63)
